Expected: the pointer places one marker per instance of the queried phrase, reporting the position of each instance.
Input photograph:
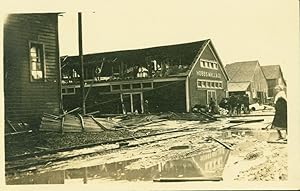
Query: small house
(274, 76)
(247, 78)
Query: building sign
(209, 74)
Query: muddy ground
(251, 157)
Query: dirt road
(251, 156)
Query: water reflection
(208, 164)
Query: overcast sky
(264, 30)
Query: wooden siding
(26, 100)
(199, 95)
(259, 83)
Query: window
(37, 62)
(208, 84)
(202, 83)
(136, 86)
(199, 83)
(147, 85)
(68, 91)
(211, 64)
(115, 87)
(126, 86)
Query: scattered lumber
(71, 123)
(188, 179)
(15, 126)
(19, 132)
(50, 122)
(22, 156)
(68, 112)
(10, 125)
(62, 157)
(278, 142)
(245, 120)
(179, 147)
(224, 144)
(229, 127)
(208, 116)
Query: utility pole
(81, 63)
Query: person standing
(212, 105)
(280, 119)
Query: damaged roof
(186, 52)
(241, 71)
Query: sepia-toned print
(78, 112)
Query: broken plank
(11, 125)
(19, 132)
(232, 126)
(16, 157)
(68, 112)
(99, 124)
(81, 122)
(224, 144)
(278, 142)
(207, 115)
(245, 120)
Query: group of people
(235, 104)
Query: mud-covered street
(152, 148)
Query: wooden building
(274, 77)
(158, 79)
(247, 77)
(31, 66)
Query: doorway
(211, 94)
(133, 102)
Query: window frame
(41, 46)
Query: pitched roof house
(247, 77)
(274, 77)
(171, 78)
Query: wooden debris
(225, 145)
(208, 115)
(19, 132)
(72, 123)
(51, 123)
(279, 142)
(17, 157)
(229, 127)
(245, 120)
(179, 147)
(10, 125)
(68, 112)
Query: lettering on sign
(209, 74)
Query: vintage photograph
(157, 92)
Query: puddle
(209, 164)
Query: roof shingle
(271, 71)
(241, 71)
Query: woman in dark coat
(280, 118)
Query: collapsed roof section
(163, 61)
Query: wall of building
(259, 84)
(198, 95)
(26, 100)
(166, 96)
